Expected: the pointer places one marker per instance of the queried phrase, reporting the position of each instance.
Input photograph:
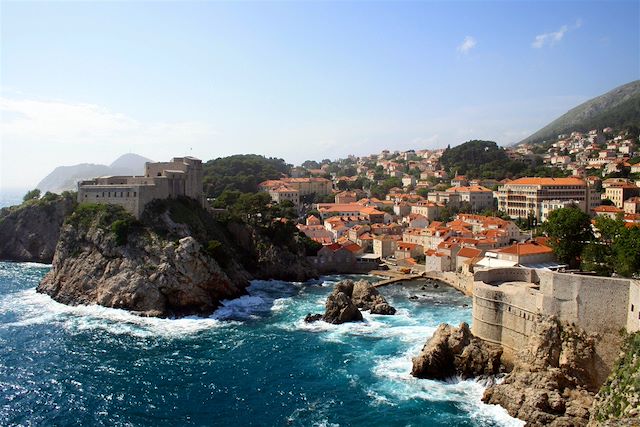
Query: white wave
(244, 307)
(397, 384)
(34, 308)
(34, 265)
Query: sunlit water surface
(254, 362)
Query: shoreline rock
(347, 299)
(455, 351)
(158, 267)
(552, 379)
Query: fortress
(182, 176)
(507, 303)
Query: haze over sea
(254, 362)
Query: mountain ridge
(619, 107)
(65, 178)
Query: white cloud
(467, 44)
(550, 39)
(54, 133)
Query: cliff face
(30, 231)
(455, 351)
(553, 379)
(177, 261)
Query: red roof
(469, 252)
(530, 248)
(547, 181)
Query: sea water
(254, 362)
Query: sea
(254, 362)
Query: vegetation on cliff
(619, 397)
(179, 259)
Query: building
(632, 205)
(304, 186)
(477, 196)
(182, 176)
(618, 193)
(610, 211)
(284, 192)
(406, 250)
(346, 197)
(385, 245)
(523, 197)
(429, 210)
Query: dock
(395, 278)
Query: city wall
(508, 301)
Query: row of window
(115, 194)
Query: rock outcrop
(552, 382)
(366, 297)
(346, 300)
(177, 261)
(455, 351)
(30, 231)
(339, 307)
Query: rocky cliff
(455, 351)
(553, 379)
(30, 231)
(178, 260)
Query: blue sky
(88, 81)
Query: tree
(616, 251)
(569, 231)
(423, 192)
(31, 195)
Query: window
(632, 307)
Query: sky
(86, 81)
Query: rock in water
(339, 307)
(310, 318)
(367, 297)
(347, 297)
(551, 383)
(455, 351)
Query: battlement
(182, 176)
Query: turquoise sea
(254, 362)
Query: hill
(64, 178)
(618, 108)
(241, 172)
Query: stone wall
(507, 302)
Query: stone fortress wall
(180, 177)
(507, 302)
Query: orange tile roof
(526, 249)
(611, 209)
(467, 252)
(469, 189)
(547, 181)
